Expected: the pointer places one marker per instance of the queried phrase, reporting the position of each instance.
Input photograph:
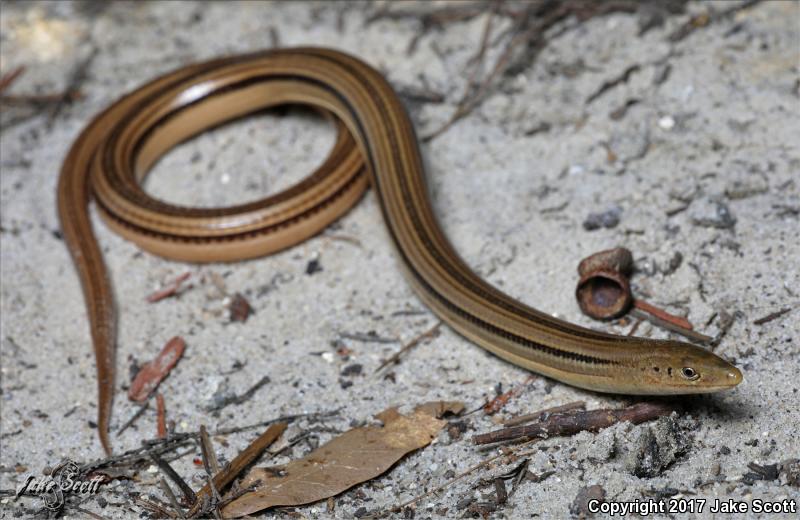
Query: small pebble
(313, 267)
(666, 123)
(707, 212)
(606, 219)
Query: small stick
(171, 497)
(497, 404)
(663, 315)
(39, 99)
(543, 414)
(169, 290)
(695, 336)
(577, 421)
(239, 399)
(211, 465)
(11, 77)
(89, 513)
(284, 418)
(773, 316)
(134, 418)
(500, 490)
(207, 450)
(241, 461)
(635, 327)
(188, 495)
(366, 338)
(152, 506)
(428, 334)
(161, 417)
(345, 238)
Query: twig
(210, 461)
(347, 238)
(10, 78)
(39, 99)
(705, 19)
(88, 513)
(419, 94)
(171, 497)
(241, 461)
(477, 60)
(188, 495)
(79, 74)
(613, 82)
(239, 399)
(635, 327)
(663, 315)
(141, 454)
(285, 418)
(772, 316)
(571, 423)
(532, 36)
(152, 506)
(134, 418)
(428, 334)
(497, 404)
(543, 414)
(369, 337)
(695, 336)
(161, 417)
(211, 466)
(170, 290)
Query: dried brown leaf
(439, 409)
(239, 308)
(355, 456)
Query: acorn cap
(603, 290)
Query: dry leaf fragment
(355, 456)
(152, 373)
(439, 409)
(239, 308)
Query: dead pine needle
(425, 336)
(134, 418)
(161, 416)
(188, 495)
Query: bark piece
(152, 373)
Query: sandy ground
(702, 164)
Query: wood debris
(239, 308)
(172, 289)
(497, 404)
(570, 423)
(152, 373)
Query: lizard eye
(690, 373)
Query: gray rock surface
(713, 116)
